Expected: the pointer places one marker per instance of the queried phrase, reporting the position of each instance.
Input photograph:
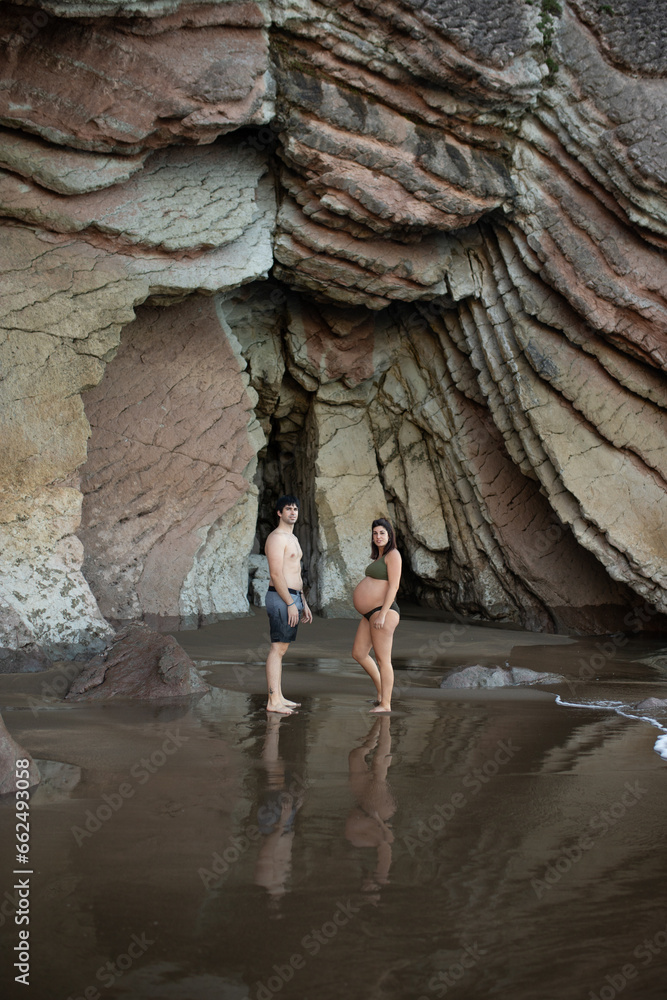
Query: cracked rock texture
(167, 485)
(465, 324)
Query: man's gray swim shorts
(276, 609)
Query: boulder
(141, 664)
(477, 676)
(652, 703)
(29, 660)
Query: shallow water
(474, 844)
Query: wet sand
(488, 843)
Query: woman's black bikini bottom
(369, 614)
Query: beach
(476, 843)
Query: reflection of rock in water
(58, 781)
(11, 776)
(657, 660)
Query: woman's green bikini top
(377, 569)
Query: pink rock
(329, 343)
(168, 449)
(109, 88)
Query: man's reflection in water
(279, 804)
(368, 824)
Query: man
(285, 602)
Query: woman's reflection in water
(279, 804)
(368, 824)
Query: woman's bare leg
(383, 640)
(361, 652)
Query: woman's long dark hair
(382, 522)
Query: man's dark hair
(284, 501)
(382, 522)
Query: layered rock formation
(466, 323)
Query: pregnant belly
(369, 594)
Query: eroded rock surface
(73, 271)
(466, 325)
(118, 85)
(169, 510)
(169, 204)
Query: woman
(374, 598)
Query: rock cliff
(405, 259)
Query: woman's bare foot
(381, 710)
(291, 704)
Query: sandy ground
(474, 844)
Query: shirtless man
(285, 602)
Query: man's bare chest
(293, 552)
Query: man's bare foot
(280, 709)
(381, 710)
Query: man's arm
(275, 553)
(307, 613)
